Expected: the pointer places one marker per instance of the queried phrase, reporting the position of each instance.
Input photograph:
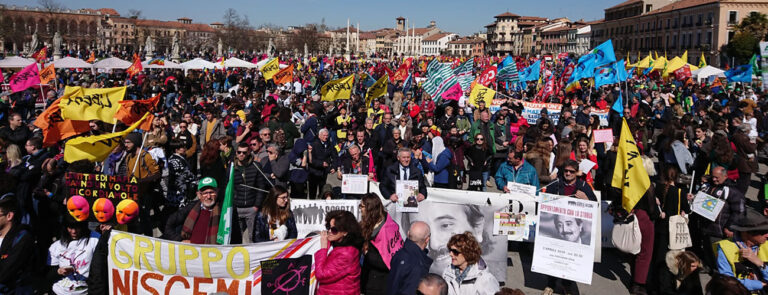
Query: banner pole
(139, 155)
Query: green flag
(755, 66)
(224, 236)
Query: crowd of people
(284, 142)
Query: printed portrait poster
(407, 193)
(565, 243)
(310, 214)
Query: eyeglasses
(184, 126)
(455, 252)
(332, 229)
(254, 144)
(569, 171)
(208, 193)
(479, 138)
(242, 152)
(266, 134)
(285, 197)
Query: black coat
(17, 261)
(392, 174)
(408, 266)
(322, 153)
(261, 228)
(374, 274)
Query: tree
(50, 6)
(237, 30)
(756, 24)
(742, 47)
(305, 35)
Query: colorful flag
(41, 55)
(408, 83)
(618, 105)
(453, 93)
(55, 128)
(488, 76)
(402, 71)
(378, 89)
(605, 75)
(133, 110)
(47, 74)
(157, 61)
(96, 148)
(135, 68)
(338, 89)
(25, 78)
(755, 66)
(509, 73)
(464, 74)
(440, 79)
(271, 68)
(585, 68)
(85, 104)
(742, 73)
(621, 71)
(573, 86)
(91, 58)
(481, 93)
(683, 73)
(604, 53)
(224, 235)
(716, 86)
(629, 174)
(531, 73)
(284, 75)
(702, 61)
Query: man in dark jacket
(322, 158)
(404, 169)
(410, 263)
(16, 132)
(250, 182)
(198, 222)
(16, 250)
(570, 185)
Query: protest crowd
(201, 152)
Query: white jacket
(479, 280)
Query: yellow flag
(86, 104)
(376, 90)
(96, 148)
(702, 61)
(629, 174)
(270, 68)
(338, 89)
(685, 57)
(481, 93)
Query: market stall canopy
(199, 64)
(71, 62)
(644, 63)
(16, 62)
(707, 72)
(112, 63)
(167, 64)
(235, 62)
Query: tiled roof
(506, 14)
(625, 3)
(533, 18)
(435, 37)
(682, 5)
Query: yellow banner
(338, 89)
(96, 148)
(629, 174)
(270, 68)
(86, 104)
(376, 90)
(481, 93)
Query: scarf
(213, 223)
(388, 240)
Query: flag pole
(139, 155)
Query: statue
(306, 51)
(220, 51)
(33, 44)
(149, 47)
(175, 47)
(57, 45)
(270, 48)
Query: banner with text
(85, 104)
(310, 214)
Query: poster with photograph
(407, 192)
(512, 225)
(355, 184)
(310, 214)
(707, 206)
(565, 243)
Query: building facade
(436, 44)
(467, 46)
(509, 33)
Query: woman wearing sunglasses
(275, 221)
(337, 263)
(468, 273)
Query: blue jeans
(485, 180)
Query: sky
(461, 17)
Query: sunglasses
(455, 252)
(479, 138)
(242, 152)
(569, 171)
(255, 144)
(332, 229)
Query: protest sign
(707, 206)
(407, 193)
(521, 189)
(603, 135)
(565, 243)
(532, 111)
(512, 225)
(602, 115)
(310, 214)
(100, 188)
(138, 264)
(85, 104)
(354, 184)
(287, 275)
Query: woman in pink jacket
(337, 264)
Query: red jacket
(339, 272)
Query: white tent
(199, 64)
(16, 62)
(71, 62)
(167, 65)
(112, 63)
(235, 62)
(706, 72)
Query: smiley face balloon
(103, 209)
(127, 210)
(78, 207)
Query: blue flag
(742, 73)
(621, 71)
(584, 69)
(508, 60)
(531, 72)
(618, 106)
(604, 53)
(407, 83)
(605, 75)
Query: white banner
(142, 265)
(565, 243)
(310, 214)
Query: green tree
(741, 47)
(756, 24)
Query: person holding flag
(200, 222)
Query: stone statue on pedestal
(57, 46)
(175, 47)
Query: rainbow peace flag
(157, 61)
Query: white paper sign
(407, 193)
(707, 206)
(603, 135)
(565, 239)
(521, 189)
(586, 165)
(354, 184)
(513, 225)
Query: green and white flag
(224, 236)
(464, 74)
(441, 78)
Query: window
(648, 7)
(733, 17)
(730, 36)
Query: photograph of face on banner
(566, 228)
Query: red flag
(131, 111)
(683, 73)
(41, 54)
(135, 68)
(488, 76)
(402, 71)
(55, 128)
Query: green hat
(206, 182)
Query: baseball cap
(206, 182)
